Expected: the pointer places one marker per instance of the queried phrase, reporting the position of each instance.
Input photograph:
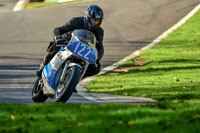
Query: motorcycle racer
(92, 21)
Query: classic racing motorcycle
(61, 76)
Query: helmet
(93, 16)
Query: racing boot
(39, 71)
(44, 63)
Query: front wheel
(37, 93)
(64, 90)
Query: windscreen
(85, 36)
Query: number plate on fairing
(84, 51)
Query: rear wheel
(64, 90)
(37, 93)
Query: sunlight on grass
(172, 69)
(43, 4)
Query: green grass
(112, 118)
(39, 4)
(170, 74)
(43, 4)
(172, 69)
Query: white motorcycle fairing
(61, 76)
(50, 71)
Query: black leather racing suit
(78, 23)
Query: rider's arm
(69, 26)
(99, 44)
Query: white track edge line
(20, 5)
(85, 81)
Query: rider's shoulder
(77, 19)
(100, 30)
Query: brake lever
(62, 44)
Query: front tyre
(37, 93)
(64, 90)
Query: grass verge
(112, 118)
(169, 73)
(43, 4)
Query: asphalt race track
(129, 25)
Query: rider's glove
(59, 40)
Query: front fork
(69, 64)
(64, 72)
(85, 69)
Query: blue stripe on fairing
(62, 49)
(50, 75)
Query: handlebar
(62, 44)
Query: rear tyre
(65, 90)
(37, 93)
